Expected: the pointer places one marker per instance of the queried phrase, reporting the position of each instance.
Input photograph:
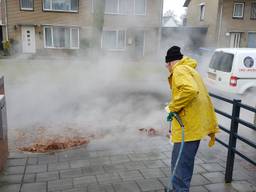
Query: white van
(233, 70)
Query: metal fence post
(232, 141)
(1, 105)
(254, 117)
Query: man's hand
(167, 109)
(170, 116)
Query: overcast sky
(175, 5)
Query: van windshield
(222, 61)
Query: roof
(169, 22)
(237, 50)
(186, 3)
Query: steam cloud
(110, 97)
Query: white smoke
(110, 97)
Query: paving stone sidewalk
(100, 168)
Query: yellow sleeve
(184, 87)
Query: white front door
(235, 40)
(28, 39)
(139, 42)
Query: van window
(222, 61)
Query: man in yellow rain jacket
(190, 99)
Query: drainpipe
(5, 20)
(160, 28)
(220, 23)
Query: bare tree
(170, 14)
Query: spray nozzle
(177, 117)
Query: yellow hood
(186, 61)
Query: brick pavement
(97, 168)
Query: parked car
(233, 70)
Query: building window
(61, 5)
(235, 38)
(202, 11)
(253, 10)
(113, 40)
(140, 7)
(61, 37)
(125, 7)
(74, 38)
(252, 39)
(26, 4)
(238, 11)
(111, 6)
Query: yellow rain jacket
(190, 99)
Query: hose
(177, 117)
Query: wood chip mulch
(55, 144)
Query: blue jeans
(185, 167)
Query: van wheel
(248, 98)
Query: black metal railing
(233, 134)
(2, 111)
